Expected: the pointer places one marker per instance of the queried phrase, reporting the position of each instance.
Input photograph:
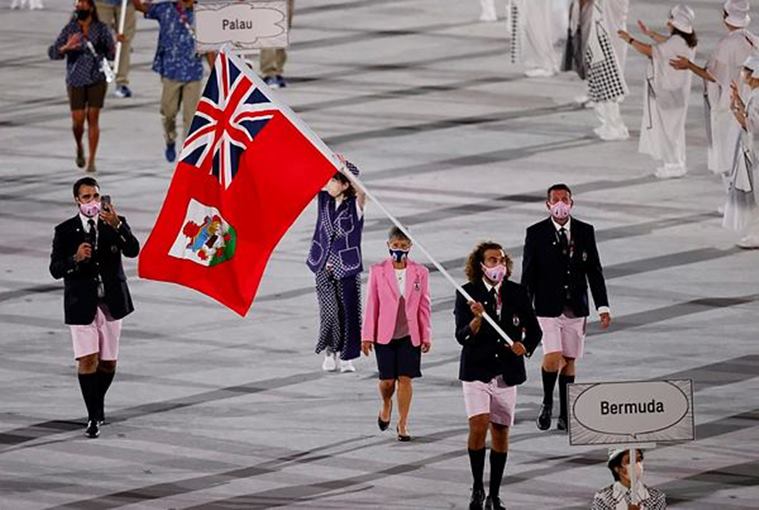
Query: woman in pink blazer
(397, 326)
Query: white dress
(532, 39)
(741, 213)
(723, 130)
(665, 106)
(614, 19)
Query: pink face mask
(496, 273)
(560, 210)
(90, 209)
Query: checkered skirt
(605, 82)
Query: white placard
(631, 412)
(246, 25)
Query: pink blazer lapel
(390, 279)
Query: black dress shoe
(494, 503)
(402, 437)
(561, 423)
(544, 418)
(383, 425)
(93, 429)
(478, 497)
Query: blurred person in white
(532, 37)
(665, 105)
(723, 67)
(33, 4)
(741, 212)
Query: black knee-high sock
(477, 463)
(563, 381)
(497, 466)
(549, 382)
(89, 385)
(104, 382)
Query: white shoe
(749, 242)
(611, 135)
(721, 210)
(581, 100)
(670, 172)
(538, 73)
(346, 366)
(329, 364)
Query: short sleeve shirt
(175, 56)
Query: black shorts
(89, 95)
(398, 358)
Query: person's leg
(386, 390)
(405, 392)
(499, 447)
(109, 336)
(170, 98)
(350, 299)
(130, 26)
(478, 431)
(329, 318)
(93, 135)
(566, 377)
(77, 127)
(551, 364)
(190, 97)
(87, 372)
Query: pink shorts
(563, 334)
(101, 336)
(493, 398)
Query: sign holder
(631, 415)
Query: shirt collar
(620, 491)
(489, 286)
(85, 222)
(567, 226)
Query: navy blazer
(337, 237)
(80, 280)
(486, 355)
(544, 269)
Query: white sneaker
(581, 100)
(749, 242)
(611, 135)
(538, 73)
(329, 364)
(346, 366)
(670, 172)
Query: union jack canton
(231, 112)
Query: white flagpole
(356, 182)
(122, 20)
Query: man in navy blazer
(87, 252)
(560, 261)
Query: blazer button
(496, 355)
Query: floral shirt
(82, 67)
(175, 56)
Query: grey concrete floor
(213, 411)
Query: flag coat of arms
(247, 169)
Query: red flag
(247, 169)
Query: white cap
(752, 63)
(614, 452)
(681, 17)
(737, 13)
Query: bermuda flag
(247, 169)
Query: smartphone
(105, 201)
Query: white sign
(246, 25)
(631, 412)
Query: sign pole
(631, 468)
